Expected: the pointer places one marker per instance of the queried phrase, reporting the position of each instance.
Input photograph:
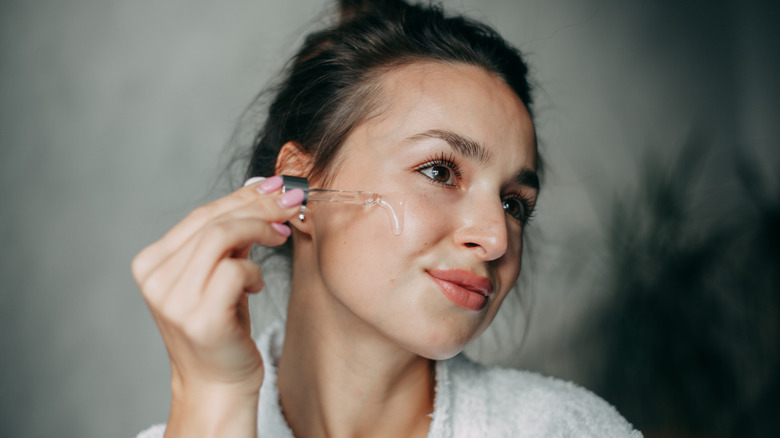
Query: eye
(517, 207)
(442, 169)
(439, 173)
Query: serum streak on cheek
(395, 212)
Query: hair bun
(351, 9)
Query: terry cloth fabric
(472, 400)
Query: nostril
(471, 245)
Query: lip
(464, 288)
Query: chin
(441, 343)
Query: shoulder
(512, 401)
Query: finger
(268, 209)
(219, 240)
(223, 301)
(163, 278)
(232, 280)
(247, 195)
(268, 233)
(219, 310)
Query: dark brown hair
(331, 84)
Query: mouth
(463, 288)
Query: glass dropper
(329, 195)
(356, 197)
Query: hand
(195, 280)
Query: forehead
(460, 98)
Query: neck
(340, 377)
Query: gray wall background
(114, 116)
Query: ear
(293, 160)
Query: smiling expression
(457, 145)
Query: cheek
(508, 267)
(426, 220)
(357, 249)
(362, 261)
(514, 257)
(346, 235)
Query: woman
(432, 112)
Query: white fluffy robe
(472, 400)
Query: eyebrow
(528, 177)
(474, 150)
(462, 145)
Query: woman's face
(457, 146)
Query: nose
(483, 229)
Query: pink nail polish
(292, 198)
(282, 229)
(253, 180)
(271, 184)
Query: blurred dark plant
(691, 329)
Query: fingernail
(291, 198)
(282, 229)
(253, 180)
(271, 184)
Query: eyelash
(528, 207)
(445, 160)
(448, 160)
